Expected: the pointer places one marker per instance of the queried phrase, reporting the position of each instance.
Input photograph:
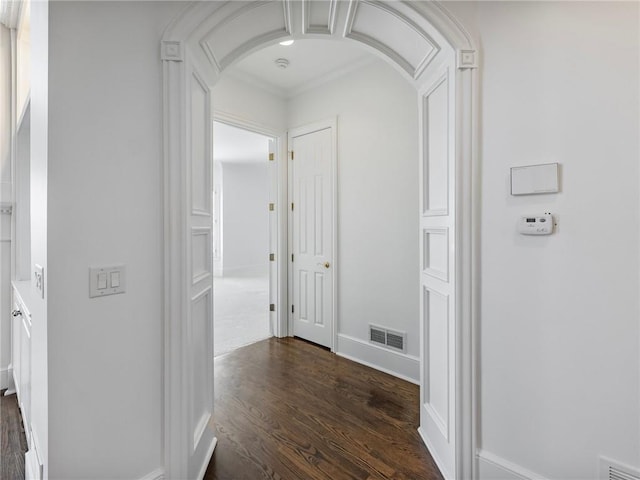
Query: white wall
(250, 104)
(39, 234)
(5, 196)
(560, 328)
(245, 216)
(5, 114)
(104, 207)
(378, 256)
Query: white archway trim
(201, 41)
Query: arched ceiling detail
(221, 33)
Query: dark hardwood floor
(286, 409)
(13, 443)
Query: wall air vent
(377, 335)
(610, 470)
(391, 339)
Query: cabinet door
(16, 329)
(25, 375)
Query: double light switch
(106, 280)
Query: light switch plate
(98, 288)
(38, 278)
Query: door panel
(312, 226)
(437, 237)
(199, 321)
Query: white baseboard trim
(212, 447)
(397, 364)
(493, 467)
(432, 451)
(5, 375)
(157, 474)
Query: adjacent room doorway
(241, 238)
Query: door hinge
(292, 309)
(292, 206)
(272, 257)
(272, 207)
(291, 154)
(272, 307)
(271, 157)
(292, 257)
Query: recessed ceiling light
(286, 43)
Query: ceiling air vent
(610, 470)
(388, 338)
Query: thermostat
(536, 224)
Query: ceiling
(311, 63)
(235, 145)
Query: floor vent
(388, 338)
(610, 470)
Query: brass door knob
(327, 264)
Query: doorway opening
(242, 241)
(438, 57)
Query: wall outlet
(38, 278)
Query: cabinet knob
(16, 313)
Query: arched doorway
(426, 45)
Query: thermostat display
(536, 225)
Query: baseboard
(157, 474)
(493, 467)
(397, 364)
(432, 451)
(212, 447)
(5, 375)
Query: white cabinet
(21, 363)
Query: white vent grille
(388, 338)
(610, 470)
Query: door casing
(195, 43)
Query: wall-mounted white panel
(436, 381)
(228, 40)
(436, 150)
(395, 35)
(319, 16)
(436, 252)
(534, 179)
(199, 352)
(200, 159)
(200, 254)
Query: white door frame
(280, 248)
(198, 42)
(331, 123)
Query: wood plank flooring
(13, 443)
(286, 409)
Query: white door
(312, 170)
(198, 316)
(438, 279)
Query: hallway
(287, 409)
